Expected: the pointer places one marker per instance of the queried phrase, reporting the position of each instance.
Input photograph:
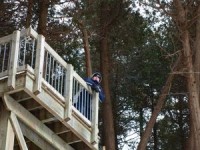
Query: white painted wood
(3, 75)
(36, 125)
(9, 144)
(82, 82)
(6, 131)
(49, 120)
(29, 32)
(35, 138)
(48, 88)
(13, 59)
(55, 55)
(81, 117)
(68, 92)
(80, 130)
(6, 39)
(50, 99)
(18, 132)
(95, 114)
(44, 99)
(39, 64)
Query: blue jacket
(97, 87)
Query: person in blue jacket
(94, 82)
(83, 99)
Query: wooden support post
(35, 138)
(18, 132)
(68, 92)
(39, 64)
(6, 130)
(95, 114)
(36, 125)
(13, 59)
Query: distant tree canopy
(141, 52)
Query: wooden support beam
(44, 99)
(35, 138)
(95, 112)
(6, 131)
(18, 132)
(58, 127)
(70, 137)
(13, 59)
(49, 120)
(39, 64)
(68, 92)
(34, 124)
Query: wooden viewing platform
(39, 96)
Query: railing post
(39, 64)
(12, 70)
(68, 92)
(95, 114)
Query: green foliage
(141, 57)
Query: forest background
(150, 62)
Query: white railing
(5, 44)
(4, 56)
(82, 98)
(26, 47)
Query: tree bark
(43, 13)
(182, 23)
(29, 13)
(108, 126)
(88, 63)
(145, 137)
(191, 139)
(108, 16)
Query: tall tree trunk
(109, 12)
(182, 23)
(86, 48)
(29, 13)
(87, 52)
(197, 76)
(108, 126)
(43, 13)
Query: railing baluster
(32, 54)
(4, 57)
(49, 68)
(56, 75)
(59, 78)
(62, 81)
(46, 65)
(1, 60)
(24, 50)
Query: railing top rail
(55, 55)
(82, 82)
(29, 32)
(6, 39)
(23, 32)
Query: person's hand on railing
(96, 88)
